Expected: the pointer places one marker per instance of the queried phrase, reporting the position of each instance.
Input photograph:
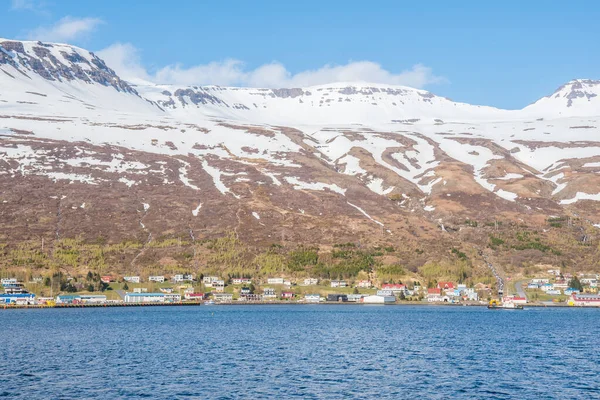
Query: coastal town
(552, 289)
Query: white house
(9, 281)
(178, 278)
(546, 286)
(172, 298)
(208, 280)
(140, 290)
(241, 281)
(223, 297)
(219, 285)
(132, 279)
(540, 280)
(341, 284)
(311, 281)
(275, 281)
(312, 298)
(364, 284)
(269, 293)
(156, 278)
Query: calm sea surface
(311, 352)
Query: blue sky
(501, 53)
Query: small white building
(269, 293)
(208, 280)
(132, 279)
(223, 297)
(9, 281)
(275, 281)
(312, 298)
(311, 281)
(219, 285)
(172, 298)
(366, 284)
(140, 290)
(540, 280)
(339, 284)
(179, 278)
(375, 299)
(241, 281)
(156, 278)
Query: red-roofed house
(434, 291)
(435, 295)
(194, 296)
(445, 285)
(107, 279)
(287, 295)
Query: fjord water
(303, 351)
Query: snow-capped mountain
(316, 162)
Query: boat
(209, 302)
(506, 305)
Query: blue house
(570, 291)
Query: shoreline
(70, 306)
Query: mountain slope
(83, 153)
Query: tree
(575, 283)
(355, 291)
(402, 296)
(125, 287)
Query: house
(445, 285)
(269, 293)
(245, 290)
(340, 284)
(341, 298)
(571, 291)
(553, 292)
(9, 281)
(68, 299)
(194, 296)
(219, 285)
(435, 295)
(178, 278)
(470, 294)
(208, 280)
(140, 290)
(132, 279)
(156, 278)
(287, 283)
(375, 299)
(546, 286)
(287, 295)
(540, 281)
(250, 297)
(241, 281)
(107, 279)
(223, 297)
(275, 281)
(144, 297)
(312, 298)
(561, 285)
(166, 290)
(365, 284)
(17, 298)
(532, 285)
(355, 297)
(591, 282)
(395, 288)
(172, 298)
(311, 281)
(386, 292)
(515, 299)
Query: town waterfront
(303, 351)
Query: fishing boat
(209, 302)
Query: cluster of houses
(560, 284)
(447, 292)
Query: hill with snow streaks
(320, 164)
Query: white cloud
(23, 5)
(125, 60)
(65, 30)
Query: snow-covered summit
(578, 97)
